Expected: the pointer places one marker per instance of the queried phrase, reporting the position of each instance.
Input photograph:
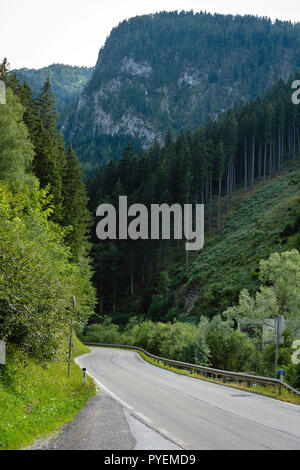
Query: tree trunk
(245, 164)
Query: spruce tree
(75, 211)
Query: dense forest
(44, 225)
(67, 82)
(244, 167)
(174, 71)
(251, 142)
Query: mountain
(67, 82)
(172, 71)
(237, 167)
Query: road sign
(2, 353)
(2, 92)
(268, 330)
(281, 372)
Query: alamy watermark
(2, 92)
(115, 227)
(296, 353)
(296, 94)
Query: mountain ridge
(172, 71)
(67, 81)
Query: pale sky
(36, 33)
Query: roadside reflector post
(84, 374)
(281, 374)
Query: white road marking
(135, 413)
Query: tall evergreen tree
(75, 213)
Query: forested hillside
(251, 143)
(44, 200)
(173, 71)
(244, 167)
(67, 82)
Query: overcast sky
(36, 33)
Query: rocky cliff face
(130, 121)
(172, 71)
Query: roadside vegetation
(43, 264)
(36, 398)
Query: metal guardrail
(225, 375)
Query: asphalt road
(192, 413)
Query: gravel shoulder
(104, 425)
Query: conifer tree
(75, 211)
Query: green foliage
(67, 81)
(107, 333)
(230, 349)
(52, 163)
(37, 279)
(230, 260)
(179, 341)
(75, 213)
(279, 292)
(37, 398)
(16, 150)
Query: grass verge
(36, 399)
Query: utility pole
(71, 338)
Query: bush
(37, 279)
(106, 332)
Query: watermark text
(164, 222)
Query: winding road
(192, 413)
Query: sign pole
(280, 327)
(71, 338)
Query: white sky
(36, 33)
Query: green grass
(36, 399)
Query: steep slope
(263, 222)
(67, 82)
(172, 71)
